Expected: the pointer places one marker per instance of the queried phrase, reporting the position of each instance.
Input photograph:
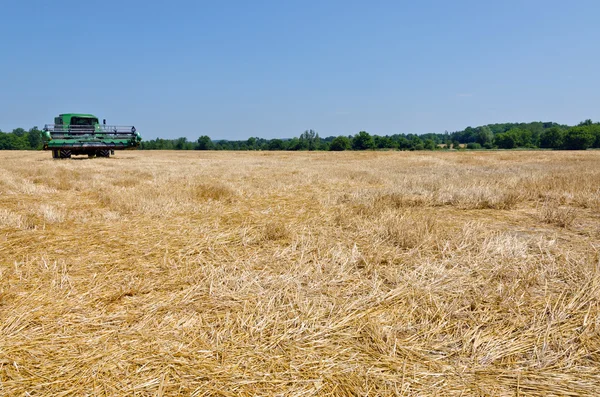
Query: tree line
(546, 135)
(20, 139)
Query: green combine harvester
(80, 134)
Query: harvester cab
(81, 134)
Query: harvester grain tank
(75, 134)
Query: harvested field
(298, 274)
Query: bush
(339, 144)
(473, 145)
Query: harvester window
(83, 121)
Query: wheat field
(300, 274)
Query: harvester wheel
(65, 154)
(55, 154)
(103, 153)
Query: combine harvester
(76, 134)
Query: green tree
(595, 130)
(180, 143)
(362, 141)
(520, 136)
(578, 138)
(506, 140)
(416, 143)
(310, 140)
(403, 143)
(484, 135)
(294, 144)
(429, 144)
(469, 135)
(251, 142)
(552, 138)
(525, 138)
(34, 136)
(204, 143)
(276, 144)
(19, 132)
(340, 143)
(383, 142)
(11, 141)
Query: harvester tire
(103, 153)
(65, 154)
(55, 154)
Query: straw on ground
(195, 273)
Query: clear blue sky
(235, 69)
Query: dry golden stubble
(203, 273)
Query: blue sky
(235, 69)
